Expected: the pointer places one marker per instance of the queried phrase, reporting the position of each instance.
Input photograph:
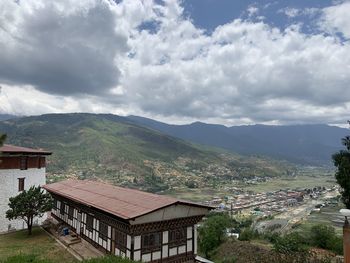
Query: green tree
(29, 204)
(213, 232)
(290, 243)
(341, 160)
(2, 139)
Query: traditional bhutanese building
(20, 168)
(130, 223)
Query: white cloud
(244, 72)
(290, 12)
(335, 19)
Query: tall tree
(2, 139)
(28, 205)
(212, 232)
(341, 160)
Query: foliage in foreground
(29, 204)
(212, 232)
(321, 236)
(341, 161)
(234, 251)
(34, 259)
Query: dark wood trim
(132, 230)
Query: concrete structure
(20, 168)
(129, 223)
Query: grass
(39, 244)
(325, 216)
(292, 183)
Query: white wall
(9, 188)
(171, 212)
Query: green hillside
(115, 149)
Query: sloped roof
(11, 149)
(122, 202)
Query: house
(130, 223)
(20, 168)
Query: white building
(20, 168)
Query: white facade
(9, 188)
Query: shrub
(248, 234)
(324, 236)
(213, 232)
(290, 243)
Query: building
(20, 168)
(130, 223)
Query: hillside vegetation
(301, 144)
(115, 149)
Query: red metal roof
(11, 149)
(122, 202)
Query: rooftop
(122, 202)
(11, 149)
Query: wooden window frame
(121, 240)
(103, 231)
(21, 184)
(62, 208)
(177, 237)
(23, 163)
(89, 222)
(70, 212)
(149, 242)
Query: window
(177, 235)
(151, 242)
(23, 163)
(70, 212)
(21, 184)
(55, 203)
(41, 162)
(103, 231)
(62, 208)
(89, 222)
(120, 240)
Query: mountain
(116, 149)
(302, 144)
(4, 117)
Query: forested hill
(113, 148)
(303, 144)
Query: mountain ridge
(116, 149)
(308, 144)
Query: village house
(130, 223)
(20, 168)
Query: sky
(231, 62)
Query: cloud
(66, 47)
(335, 19)
(290, 12)
(148, 58)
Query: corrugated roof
(11, 149)
(121, 202)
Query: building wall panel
(9, 188)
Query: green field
(38, 244)
(326, 216)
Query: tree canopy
(213, 232)
(29, 204)
(2, 139)
(341, 161)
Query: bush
(248, 234)
(324, 236)
(213, 232)
(290, 243)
